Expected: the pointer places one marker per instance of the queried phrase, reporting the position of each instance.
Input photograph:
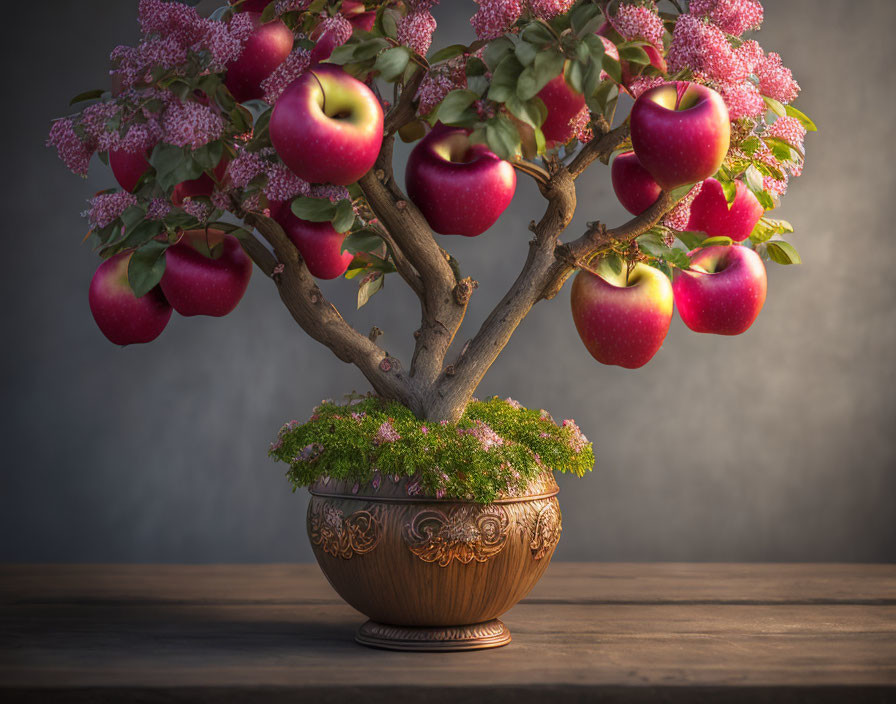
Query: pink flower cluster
(440, 81)
(282, 184)
(733, 16)
(483, 432)
(700, 42)
(108, 207)
(293, 67)
(191, 124)
(639, 22)
(337, 27)
(581, 125)
(495, 17)
(386, 433)
(415, 30)
(577, 440)
(548, 9)
(678, 217)
(74, 151)
(171, 33)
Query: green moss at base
(498, 445)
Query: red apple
(355, 13)
(128, 167)
(610, 35)
(265, 49)
(680, 132)
(204, 185)
(327, 126)
(712, 214)
(318, 243)
(251, 5)
(198, 284)
(563, 104)
(460, 188)
(723, 291)
(633, 185)
(622, 322)
(120, 315)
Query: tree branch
(258, 253)
(597, 239)
(323, 322)
(403, 112)
(598, 148)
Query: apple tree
(264, 134)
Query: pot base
(477, 636)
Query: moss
(496, 446)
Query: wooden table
(588, 632)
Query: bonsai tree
(265, 132)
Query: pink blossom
(108, 207)
(293, 67)
(339, 28)
(678, 217)
(644, 83)
(495, 17)
(284, 6)
(221, 200)
(776, 80)
(140, 136)
(191, 124)
(241, 26)
(577, 440)
(197, 208)
(415, 31)
(245, 167)
(789, 129)
(581, 125)
(487, 437)
(548, 9)
(93, 121)
(424, 430)
(358, 416)
(742, 100)
(283, 184)
(704, 48)
(733, 16)
(74, 151)
(513, 403)
(326, 190)
(157, 209)
(386, 433)
(777, 187)
(376, 481)
(638, 22)
(309, 453)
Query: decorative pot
(431, 573)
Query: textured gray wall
(776, 445)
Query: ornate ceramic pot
(430, 573)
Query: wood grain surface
(587, 632)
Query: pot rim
(432, 499)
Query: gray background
(776, 445)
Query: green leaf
(370, 48)
(362, 241)
(390, 23)
(691, 240)
(750, 145)
(582, 17)
(676, 194)
(612, 262)
(753, 179)
(454, 108)
(449, 52)
(634, 55)
(87, 95)
(548, 65)
(146, 267)
(475, 67)
(533, 112)
(495, 52)
(782, 252)
(782, 151)
(722, 240)
(208, 156)
(392, 63)
(765, 199)
(575, 76)
(804, 119)
(504, 78)
(343, 54)
(537, 33)
(369, 286)
(344, 217)
(775, 106)
(525, 53)
(729, 188)
(613, 69)
(313, 209)
(502, 137)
